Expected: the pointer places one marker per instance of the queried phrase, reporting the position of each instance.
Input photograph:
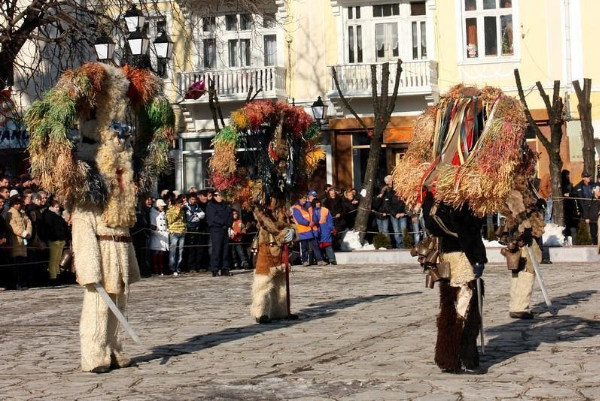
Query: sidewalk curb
(572, 254)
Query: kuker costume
(470, 151)
(94, 172)
(280, 152)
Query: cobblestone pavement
(365, 333)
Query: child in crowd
(324, 220)
(238, 253)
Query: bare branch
(392, 103)
(545, 97)
(345, 101)
(530, 119)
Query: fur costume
(266, 181)
(523, 225)
(461, 247)
(269, 285)
(469, 150)
(95, 173)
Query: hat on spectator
(312, 192)
(13, 192)
(584, 174)
(160, 202)
(203, 192)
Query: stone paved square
(366, 332)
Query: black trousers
(192, 250)
(219, 259)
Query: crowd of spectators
(176, 233)
(34, 235)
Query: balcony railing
(235, 84)
(355, 79)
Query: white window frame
(421, 33)
(367, 23)
(355, 23)
(480, 14)
(223, 37)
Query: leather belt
(115, 238)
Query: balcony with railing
(234, 84)
(417, 77)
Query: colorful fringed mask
(105, 165)
(267, 152)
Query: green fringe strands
(160, 112)
(52, 117)
(312, 132)
(157, 160)
(226, 135)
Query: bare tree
(383, 107)
(584, 107)
(39, 39)
(552, 145)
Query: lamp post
(138, 43)
(134, 19)
(105, 48)
(319, 110)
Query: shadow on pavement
(522, 336)
(319, 310)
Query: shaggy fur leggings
(98, 331)
(456, 345)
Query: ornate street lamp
(105, 47)
(134, 19)
(138, 43)
(319, 110)
(163, 46)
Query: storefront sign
(397, 135)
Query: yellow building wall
(313, 47)
(537, 25)
(591, 54)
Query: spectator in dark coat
(203, 237)
(194, 216)
(571, 207)
(590, 214)
(336, 207)
(583, 191)
(4, 249)
(56, 232)
(219, 218)
(382, 206)
(398, 218)
(141, 234)
(350, 207)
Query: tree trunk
(584, 107)
(556, 165)
(383, 107)
(552, 146)
(6, 70)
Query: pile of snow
(351, 242)
(553, 236)
(492, 244)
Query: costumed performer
(522, 227)
(469, 149)
(266, 181)
(95, 173)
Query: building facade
(287, 49)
